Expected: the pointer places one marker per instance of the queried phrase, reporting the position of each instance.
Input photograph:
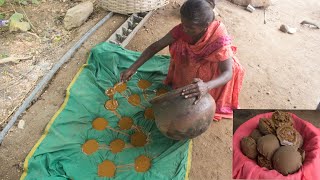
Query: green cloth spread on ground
(59, 154)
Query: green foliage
(2, 16)
(26, 2)
(16, 17)
(35, 2)
(3, 55)
(17, 23)
(23, 2)
(2, 2)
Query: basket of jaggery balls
(276, 145)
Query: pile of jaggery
(275, 144)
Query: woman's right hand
(127, 75)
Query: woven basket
(132, 6)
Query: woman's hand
(197, 89)
(127, 75)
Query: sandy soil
(282, 71)
(45, 44)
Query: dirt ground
(45, 44)
(282, 71)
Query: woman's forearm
(145, 56)
(223, 79)
(225, 75)
(152, 50)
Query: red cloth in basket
(245, 168)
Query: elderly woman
(202, 58)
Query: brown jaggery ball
(266, 126)
(256, 134)
(249, 147)
(267, 145)
(264, 162)
(287, 160)
(288, 136)
(282, 118)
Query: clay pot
(178, 118)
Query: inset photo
(276, 144)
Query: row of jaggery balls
(275, 144)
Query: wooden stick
(16, 81)
(14, 109)
(12, 7)
(14, 59)
(5, 119)
(7, 11)
(32, 26)
(265, 16)
(34, 34)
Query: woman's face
(190, 28)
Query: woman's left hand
(197, 89)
